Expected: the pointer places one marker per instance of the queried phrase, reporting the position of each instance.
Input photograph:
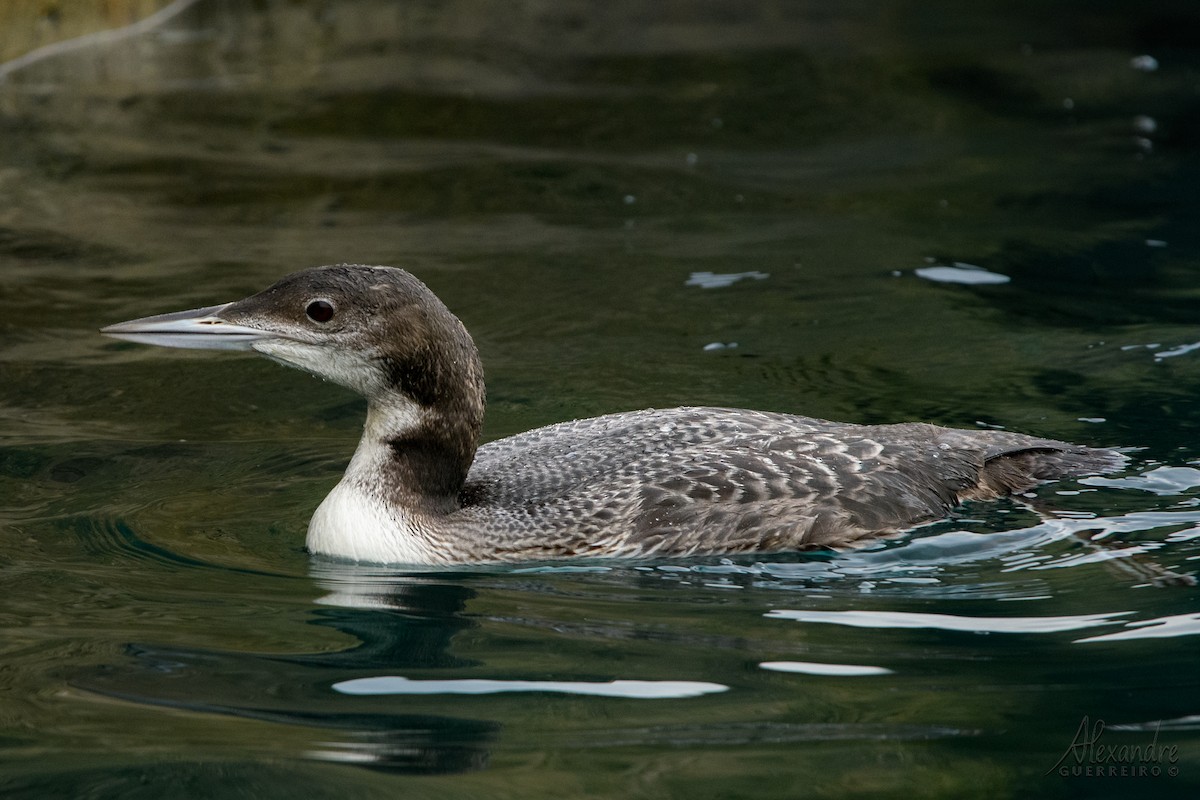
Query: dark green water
(557, 172)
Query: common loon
(676, 482)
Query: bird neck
(416, 455)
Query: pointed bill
(199, 328)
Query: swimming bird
(677, 482)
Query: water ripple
(1161, 628)
(949, 622)
(812, 668)
(639, 690)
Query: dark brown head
(376, 330)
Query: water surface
(894, 211)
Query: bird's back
(708, 480)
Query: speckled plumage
(713, 480)
(684, 481)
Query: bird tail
(1010, 470)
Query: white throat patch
(355, 521)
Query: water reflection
(396, 697)
(630, 690)
(399, 619)
(395, 621)
(839, 670)
(1161, 628)
(949, 622)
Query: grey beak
(198, 328)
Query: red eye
(320, 311)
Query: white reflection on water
(719, 280)
(814, 668)
(1161, 481)
(1191, 722)
(1144, 63)
(949, 622)
(961, 273)
(638, 690)
(1161, 628)
(1180, 350)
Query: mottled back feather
(710, 480)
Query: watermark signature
(1088, 757)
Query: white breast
(354, 524)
